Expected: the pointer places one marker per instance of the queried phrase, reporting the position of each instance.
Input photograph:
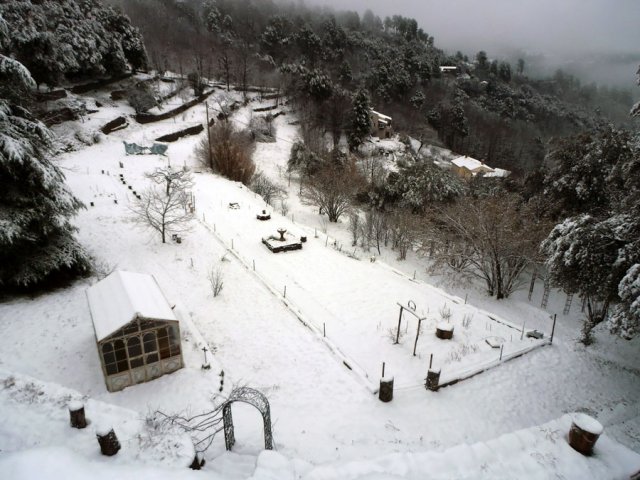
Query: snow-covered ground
(339, 309)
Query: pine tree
(36, 236)
(360, 122)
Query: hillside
(322, 411)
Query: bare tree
(332, 190)
(216, 280)
(355, 227)
(230, 154)
(169, 177)
(165, 208)
(494, 238)
(375, 228)
(263, 186)
(225, 64)
(403, 227)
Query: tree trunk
(499, 289)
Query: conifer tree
(36, 236)
(360, 122)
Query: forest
(570, 210)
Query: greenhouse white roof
(121, 296)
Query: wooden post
(430, 361)
(415, 344)
(232, 244)
(465, 298)
(208, 134)
(324, 330)
(285, 291)
(383, 365)
(553, 328)
(522, 334)
(398, 331)
(76, 414)
(385, 394)
(501, 349)
(532, 285)
(433, 379)
(254, 265)
(109, 444)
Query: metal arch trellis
(411, 308)
(252, 397)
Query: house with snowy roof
(136, 330)
(381, 125)
(449, 70)
(468, 167)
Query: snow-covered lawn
(293, 345)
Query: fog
(599, 40)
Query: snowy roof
(380, 115)
(448, 68)
(120, 297)
(470, 163)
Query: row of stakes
(106, 435)
(124, 182)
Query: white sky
(597, 40)
(565, 26)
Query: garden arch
(252, 397)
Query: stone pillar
(584, 433)
(76, 414)
(433, 380)
(109, 444)
(385, 394)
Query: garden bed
(282, 243)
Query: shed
(137, 333)
(467, 167)
(381, 126)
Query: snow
(587, 423)
(539, 452)
(122, 296)
(295, 348)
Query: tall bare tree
(164, 207)
(332, 189)
(492, 237)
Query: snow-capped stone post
(385, 394)
(584, 433)
(76, 414)
(109, 444)
(433, 379)
(444, 331)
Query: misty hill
(490, 109)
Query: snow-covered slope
(293, 346)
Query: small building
(449, 70)
(137, 332)
(381, 125)
(467, 167)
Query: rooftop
(118, 298)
